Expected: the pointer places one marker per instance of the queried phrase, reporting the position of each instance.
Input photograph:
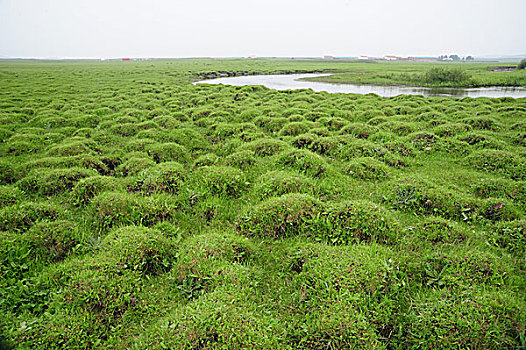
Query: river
(291, 82)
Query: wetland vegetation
(139, 211)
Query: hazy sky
(181, 28)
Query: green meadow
(139, 211)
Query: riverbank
(303, 81)
(414, 74)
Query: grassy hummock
(140, 211)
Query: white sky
(225, 28)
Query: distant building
(392, 58)
(363, 57)
(251, 56)
(125, 59)
(328, 57)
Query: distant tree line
(456, 58)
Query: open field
(138, 211)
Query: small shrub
(441, 75)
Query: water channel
(292, 82)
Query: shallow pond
(291, 82)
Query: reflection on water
(291, 82)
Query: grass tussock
(139, 211)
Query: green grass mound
(422, 196)
(242, 159)
(279, 217)
(483, 123)
(10, 195)
(296, 128)
(300, 214)
(500, 188)
(438, 230)
(86, 189)
(222, 180)
(208, 159)
(304, 161)
(482, 140)
(277, 183)
(166, 177)
(367, 169)
(358, 130)
(51, 241)
(103, 291)
(498, 209)
(73, 147)
(498, 162)
(139, 249)
(451, 129)
(476, 319)
(349, 222)
(20, 217)
(511, 235)
(167, 152)
(266, 147)
(116, 209)
(135, 165)
(7, 173)
(103, 165)
(52, 181)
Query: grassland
(140, 211)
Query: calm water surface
(291, 82)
